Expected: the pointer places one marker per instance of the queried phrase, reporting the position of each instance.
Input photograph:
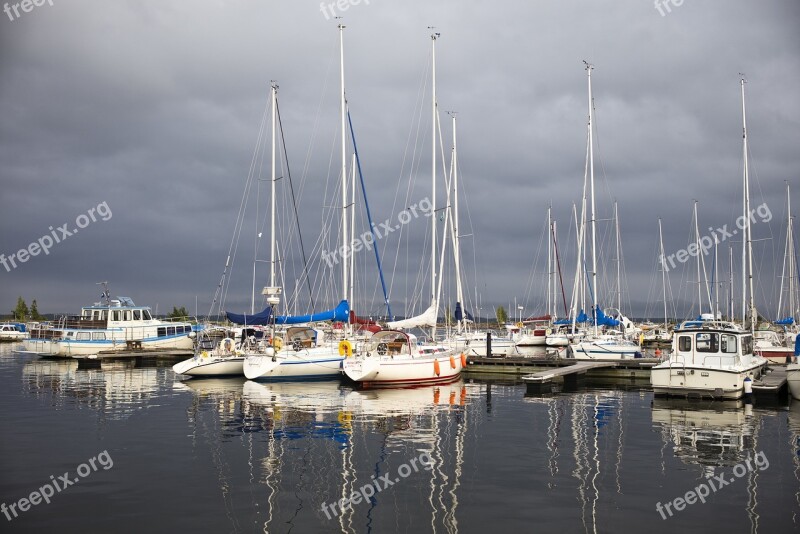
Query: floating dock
(773, 382)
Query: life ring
(383, 348)
(204, 354)
(345, 348)
(227, 345)
(520, 325)
(277, 343)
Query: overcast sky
(153, 107)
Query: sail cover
(263, 318)
(426, 318)
(460, 316)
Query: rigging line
(294, 206)
(369, 215)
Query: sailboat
(392, 357)
(713, 358)
(596, 344)
(303, 353)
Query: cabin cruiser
(12, 332)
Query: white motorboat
(793, 378)
(392, 357)
(609, 346)
(12, 332)
(770, 345)
(225, 358)
(114, 325)
(709, 359)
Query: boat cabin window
(115, 315)
(83, 336)
(146, 315)
(728, 343)
(162, 331)
(685, 343)
(707, 342)
(98, 336)
(127, 315)
(747, 344)
(137, 315)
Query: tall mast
(274, 87)
(549, 259)
(748, 232)
(345, 233)
(456, 237)
(593, 220)
(663, 271)
(716, 285)
(730, 285)
(699, 281)
(434, 302)
(619, 261)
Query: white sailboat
(308, 356)
(393, 356)
(710, 357)
(596, 344)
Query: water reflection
(114, 388)
(311, 444)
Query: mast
(748, 231)
(434, 36)
(788, 262)
(619, 261)
(456, 247)
(697, 244)
(593, 219)
(716, 285)
(663, 271)
(549, 261)
(351, 283)
(274, 88)
(345, 233)
(730, 284)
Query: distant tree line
(23, 313)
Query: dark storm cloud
(154, 107)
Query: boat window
(707, 342)
(127, 315)
(83, 336)
(146, 315)
(728, 343)
(137, 315)
(162, 331)
(685, 343)
(115, 315)
(171, 330)
(98, 335)
(747, 344)
(104, 315)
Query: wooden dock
(773, 382)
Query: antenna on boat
(106, 294)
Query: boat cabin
(715, 343)
(391, 342)
(303, 337)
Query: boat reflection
(115, 388)
(311, 444)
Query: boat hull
(302, 365)
(597, 350)
(69, 348)
(374, 371)
(793, 379)
(670, 379)
(776, 355)
(210, 366)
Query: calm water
(474, 456)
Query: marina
(400, 267)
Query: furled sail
(264, 318)
(426, 318)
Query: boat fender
(452, 362)
(436, 367)
(345, 348)
(277, 343)
(748, 386)
(463, 360)
(227, 345)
